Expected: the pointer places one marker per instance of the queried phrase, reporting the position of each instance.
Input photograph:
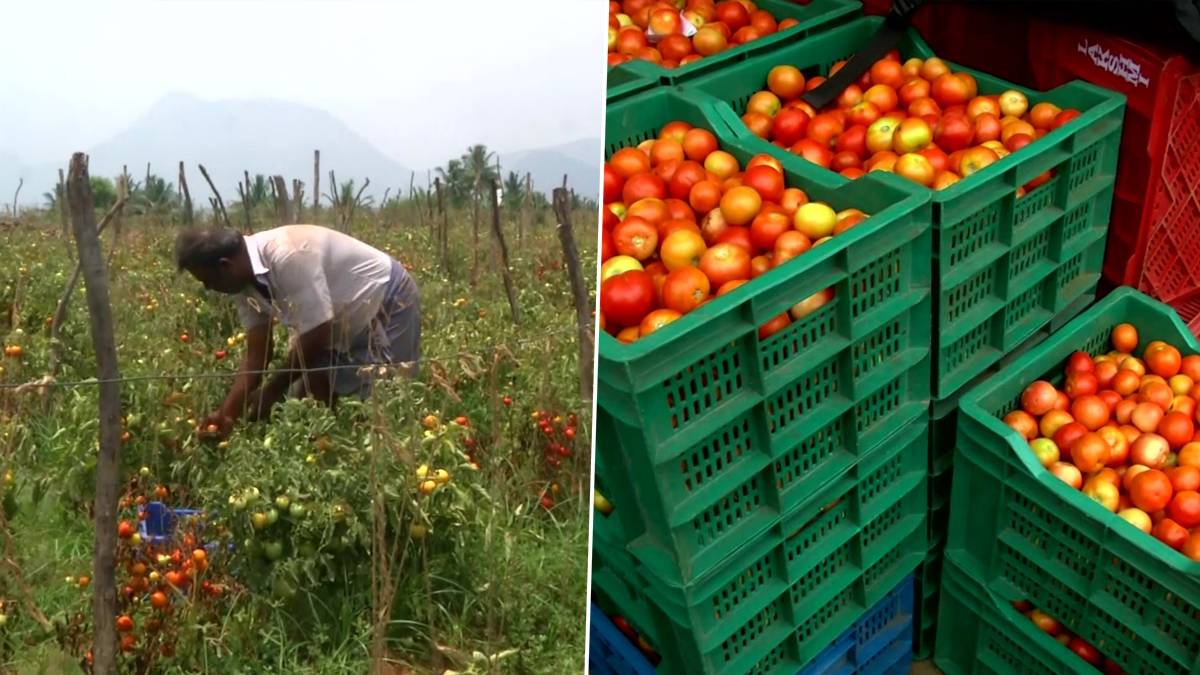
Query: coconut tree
(514, 190)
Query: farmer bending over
(346, 305)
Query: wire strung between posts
(38, 384)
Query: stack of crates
(1005, 268)
(717, 448)
(767, 493)
(1017, 533)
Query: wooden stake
(298, 197)
(187, 196)
(443, 251)
(62, 214)
(316, 184)
(220, 202)
(583, 309)
(475, 228)
(509, 288)
(283, 205)
(20, 182)
(526, 199)
(87, 241)
(244, 198)
(335, 197)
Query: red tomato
(627, 298)
(613, 183)
(685, 289)
(635, 237)
(767, 181)
(1184, 508)
(725, 262)
(774, 325)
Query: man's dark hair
(196, 247)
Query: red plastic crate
(980, 35)
(1154, 237)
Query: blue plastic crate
(880, 642)
(159, 523)
(610, 651)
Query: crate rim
(838, 10)
(1115, 101)
(972, 408)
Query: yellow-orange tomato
(740, 205)
(682, 248)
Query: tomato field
(439, 526)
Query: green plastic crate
(615, 588)
(775, 605)
(1003, 266)
(981, 633)
(1027, 534)
(926, 587)
(943, 430)
(633, 77)
(713, 433)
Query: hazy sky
(420, 80)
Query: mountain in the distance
(232, 136)
(580, 160)
(271, 137)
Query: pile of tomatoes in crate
(659, 32)
(917, 119)
(684, 222)
(1123, 430)
(1076, 644)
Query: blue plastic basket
(159, 523)
(610, 651)
(879, 643)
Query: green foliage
(495, 572)
(104, 193)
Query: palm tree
(455, 178)
(52, 198)
(155, 196)
(478, 162)
(514, 190)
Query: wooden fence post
(220, 202)
(62, 214)
(187, 196)
(443, 252)
(316, 184)
(583, 309)
(283, 204)
(298, 197)
(509, 288)
(91, 260)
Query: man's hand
(260, 401)
(216, 426)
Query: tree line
(465, 180)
